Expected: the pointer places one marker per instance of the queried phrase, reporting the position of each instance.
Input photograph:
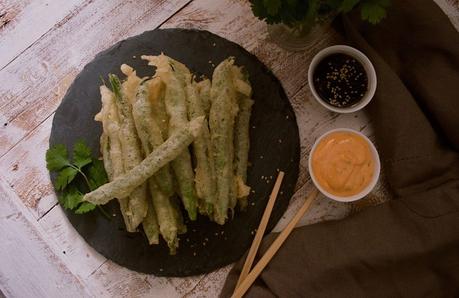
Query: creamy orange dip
(342, 163)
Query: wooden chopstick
(261, 230)
(248, 281)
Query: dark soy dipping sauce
(340, 80)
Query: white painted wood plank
(211, 285)
(29, 267)
(24, 169)
(31, 22)
(39, 77)
(233, 20)
(81, 259)
(111, 280)
(184, 285)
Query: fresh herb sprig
(83, 165)
(300, 12)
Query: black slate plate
(274, 145)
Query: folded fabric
(409, 246)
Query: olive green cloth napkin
(409, 246)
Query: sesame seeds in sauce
(340, 80)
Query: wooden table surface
(43, 46)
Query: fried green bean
(150, 135)
(175, 201)
(175, 102)
(241, 135)
(156, 90)
(221, 122)
(123, 185)
(150, 225)
(113, 160)
(130, 146)
(205, 170)
(203, 88)
(165, 212)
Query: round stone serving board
(274, 146)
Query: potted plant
(291, 22)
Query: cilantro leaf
(272, 6)
(348, 5)
(372, 13)
(57, 158)
(71, 194)
(64, 177)
(85, 207)
(96, 174)
(303, 13)
(374, 10)
(70, 198)
(81, 154)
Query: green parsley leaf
(372, 13)
(348, 5)
(70, 198)
(85, 207)
(92, 170)
(64, 177)
(96, 174)
(81, 154)
(56, 158)
(272, 6)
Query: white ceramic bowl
(359, 56)
(367, 189)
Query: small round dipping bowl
(360, 57)
(367, 189)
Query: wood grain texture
(81, 258)
(26, 256)
(111, 280)
(38, 79)
(24, 169)
(233, 20)
(30, 20)
(40, 76)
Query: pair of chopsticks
(247, 276)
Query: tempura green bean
(150, 225)
(156, 92)
(165, 212)
(241, 135)
(113, 161)
(130, 146)
(204, 93)
(122, 186)
(175, 102)
(150, 135)
(205, 170)
(221, 122)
